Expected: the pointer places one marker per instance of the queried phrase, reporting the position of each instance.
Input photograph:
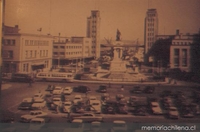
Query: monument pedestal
(117, 66)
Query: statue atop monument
(118, 35)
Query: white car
(38, 96)
(119, 126)
(38, 104)
(33, 114)
(57, 101)
(155, 107)
(57, 90)
(91, 99)
(77, 98)
(173, 113)
(96, 106)
(68, 90)
(67, 106)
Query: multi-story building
(150, 29)
(26, 52)
(71, 49)
(180, 52)
(93, 32)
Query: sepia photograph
(100, 65)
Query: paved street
(12, 97)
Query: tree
(161, 51)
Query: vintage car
(86, 117)
(173, 113)
(155, 108)
(67, 90)
(57, 90)
(66, 107)
(33, 114)
(38, 104)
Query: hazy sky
(69, 16)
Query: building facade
(150, 29)
(93, 32)
(27, 53)
(73, 49)
(180, 52)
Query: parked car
(82, 89)
(186, 112)
(57, 101)
(57, 90)
(102, 89)
(173, 113)
(149, 89)
(105, 97)
(33, 114)
(119, 96)
(67, 90)
(119, 126)
(38, 95)
(136, 90)
(140, 111)
(49, 98)
(26, 104)
(91, 99)
(66, 107)
(110, 107)
(122, 109)
(50, 88)
(155, 108)
(87, 117)
(77, 98)
(38, 104)
(95, 106)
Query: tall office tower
(150, 29)
(93, 31)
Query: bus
(22, 77)
(55, 76)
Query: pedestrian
(122, 88)
(86, 94)
(30, 81)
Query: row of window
(150, 29)
(7, 54)
(150, 39)
(36, 43)
(177, 62)
(67, 53)
(181, 43)
(150, 34)
(151, 24)
(25, 67)
(8, 42)
(33, 53)
(68, 47)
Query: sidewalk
(5, 86)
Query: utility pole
(2, 16)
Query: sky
(69, 17)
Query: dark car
(25, 106)
(82, 89)
(166, 93)
(149, 89)
(48, 98)
(136, 90)
(50, 88)
(140, 111)
(109, 109)
(105, 97)
(102, 89)
(122, 109)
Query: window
(55, 47)
(62, 53)
(40, 53)
(31, 53)
(55, 53)
(62, 47)
(35, 53)
(26, 54)
(176, 52)
(46, 52)
(184, 57)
